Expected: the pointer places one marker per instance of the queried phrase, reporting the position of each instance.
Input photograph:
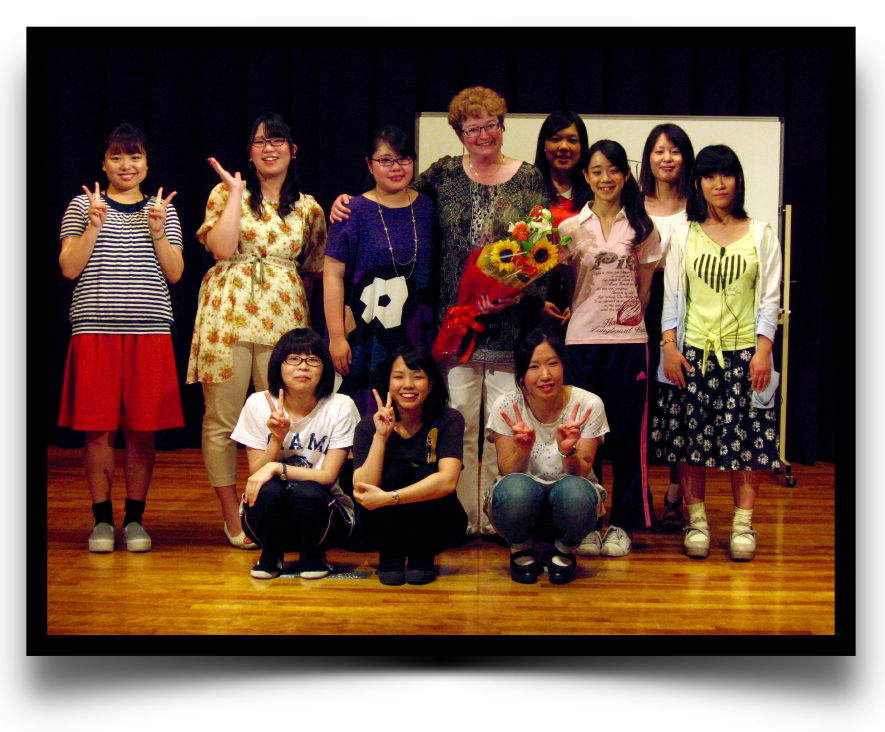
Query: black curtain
(196, 92)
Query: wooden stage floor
(193, 582)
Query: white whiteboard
(758, 142)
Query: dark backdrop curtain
(195, 92)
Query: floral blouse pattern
(257, 295)
(471, 215)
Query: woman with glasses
(297, 436)
(266, 235)
(478, 195)
(378, 275)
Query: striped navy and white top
(122, 288)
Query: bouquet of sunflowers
(500, 269)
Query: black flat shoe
(420, 571)
(525, 574)
(562, 574)
(392, 571)
(673, 519)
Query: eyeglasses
(298, 360)
(388, 162)
(275, 141)
(491, 128)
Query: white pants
(473, 388)
(224, 402)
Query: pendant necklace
(414, 260)
(490, 175)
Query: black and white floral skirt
(712, 421)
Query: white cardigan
(768, 285)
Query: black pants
(422, 529)
(300, 516)
(618, 374)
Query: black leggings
(301, 516)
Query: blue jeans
(522, 508)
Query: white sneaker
(742, 546)
(591, 546)
(137, 539)
(314, 568)
(697, 541)
(617, 542)
(102, 538)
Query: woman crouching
(546, 433)
(296, 447)
(407, 460)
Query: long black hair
(554, 123)
(679, 139)
(299, 342)
(711, 160)
(274, 126)
(418, 359)
(631, 198)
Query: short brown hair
(473, 102)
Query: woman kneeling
(407, 459)
(546, 434)
(296, 448)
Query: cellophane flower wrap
(502, 268)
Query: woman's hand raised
(278, 422)
(569, 432)
(385, 417)
(523, 434)
(157, 214)
(233, 182)
(98, 209)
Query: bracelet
(395, 498)
(157, 238)
(284, 476)
(571, 454)
(667, 340)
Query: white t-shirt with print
(545, 462)
(329, 426)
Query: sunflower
(543, 257)
(501, 253)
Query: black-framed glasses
(274, 141)
(388, 162)
(491, 128)
(294, 360)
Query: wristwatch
(395, 498)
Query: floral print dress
(257, 295)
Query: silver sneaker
(137, 539)
(102, 538)
(591, 546)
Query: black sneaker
(392, 570)
(420, 571)
(267, 568)
(314, 567)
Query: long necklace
(414, 260)
(490, 175)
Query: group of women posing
(425, 473)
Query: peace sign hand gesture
(98, 209)
(233, 182)
(278, 422)
(385, 417)
(157, 214)
(569, 432)
(523, 434)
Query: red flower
(536, 215)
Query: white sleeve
(347, 419)
(251, 429)
(672, 273)
(769, 284)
